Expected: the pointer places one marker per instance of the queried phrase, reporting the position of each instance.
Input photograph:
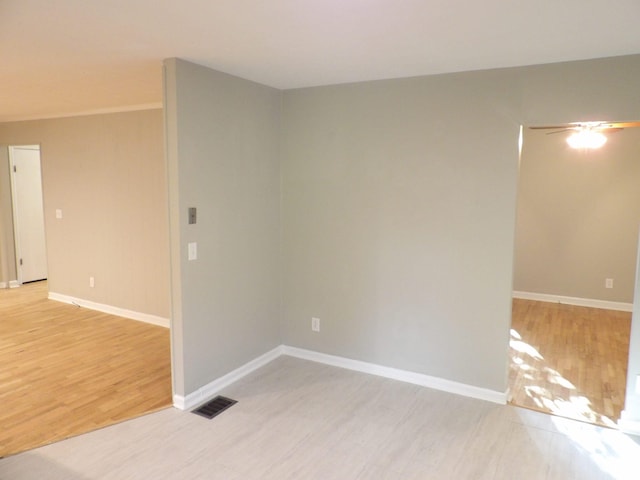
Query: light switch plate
(193, 251)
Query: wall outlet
(608, 282)
(315, 324)
(92, 282)
(58, 213)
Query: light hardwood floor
(66, 370)
(569, 360)
(301, 420)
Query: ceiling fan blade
(619, 125)
(565, 129)
(547, 127)
(600, 126)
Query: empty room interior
(321, 212)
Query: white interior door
(28, 213)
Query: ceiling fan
(588, 134)
(605, 127)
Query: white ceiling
(62, 57)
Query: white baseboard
(14, 284)
(401, 375)
(120, 312)
(201, 395)
(194, 399)
(580, 302)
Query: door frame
(629, 421)
(14, 208)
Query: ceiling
(67, 57)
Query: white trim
(580, 302)
(3, 284)
(202, 394)
(14, 212)
(626, 425)
(209, 390)
(397, 374)
(14, 284)
(120, 312)
(97, 111)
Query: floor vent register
(214, 407)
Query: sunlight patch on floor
(525, 348)
(615, 453)
(566, 400)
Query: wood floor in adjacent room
(568, 360)
(66, 370)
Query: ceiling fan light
(586, 139)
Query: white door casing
(28, 213)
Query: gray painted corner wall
(222, 148)
(396, 205)
(578, 217)
(399, 202)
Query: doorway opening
(574, 275)
(28, 213)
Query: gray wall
(107, 175)
(399, 203)
(222, 146)
(398, 206)
(578, 217)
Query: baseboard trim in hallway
(111, 310)
(578, 302)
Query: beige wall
(107, 175)
(578, 217)
(222, 146)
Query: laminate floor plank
(568, 360)
(297, 419)
(66, 370)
